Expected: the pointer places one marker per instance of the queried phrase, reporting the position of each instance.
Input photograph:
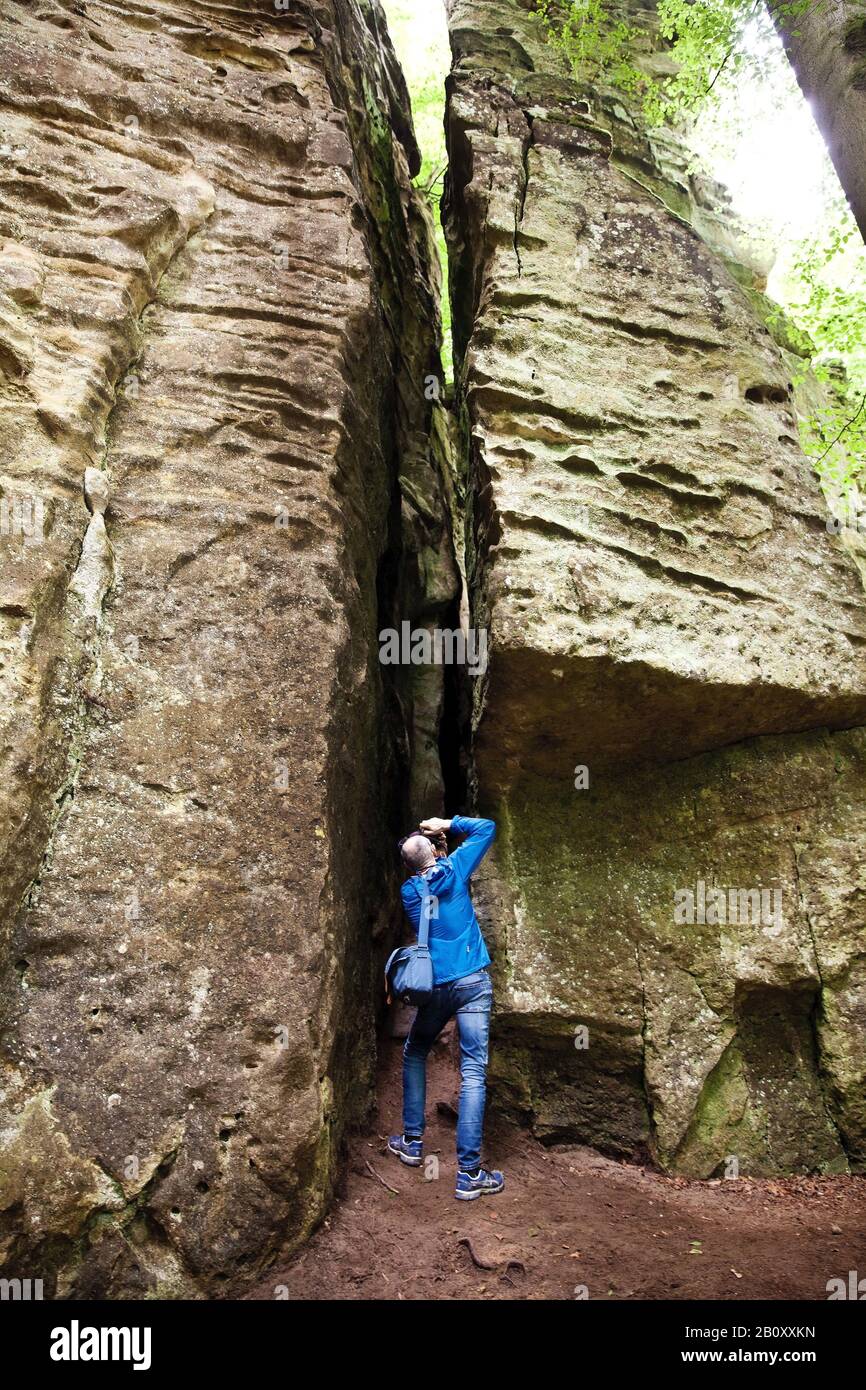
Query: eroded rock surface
(217, 314)
(649, 550)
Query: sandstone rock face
(219, 473)
(650, 552)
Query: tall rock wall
(678, 646)
(219, 474)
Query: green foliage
(833, 313)
(597, 45)
(706, 38)
(419, 34)
(835, 439)
(825, 292)
(714, 47)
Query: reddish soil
(568, 1217)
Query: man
(461, 987)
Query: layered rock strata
(649, 550)
(220, 474)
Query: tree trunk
(827, 49)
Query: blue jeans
(470, 999)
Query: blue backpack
(409, 971)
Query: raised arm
(480, 835)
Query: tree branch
(733, 46)
(854, 418)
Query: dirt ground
(570, 1223)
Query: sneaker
(409, 1151)
(480, 1184)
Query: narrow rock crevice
(523, 191)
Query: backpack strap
(427, 901)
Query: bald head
(418, 853)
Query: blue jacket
(456, 945)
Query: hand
(434, 825)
